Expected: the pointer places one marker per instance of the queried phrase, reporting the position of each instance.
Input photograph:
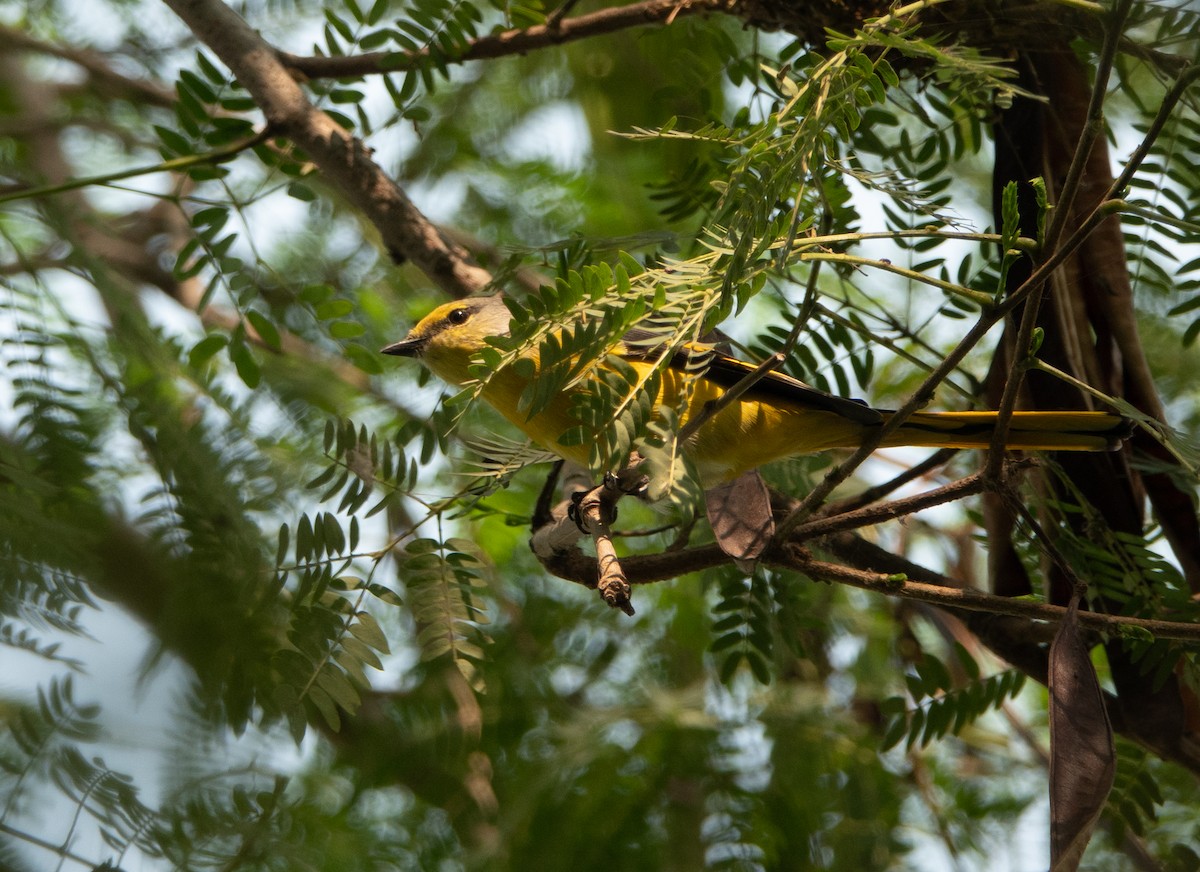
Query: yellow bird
(778, 417)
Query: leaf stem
(176, 164)
(984, 300)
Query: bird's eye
(458, 316)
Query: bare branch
(879, 491)
(849, 520)
(573, 565)
(341, 157)
(952, 597)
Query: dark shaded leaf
(1082, 756)
(740, 515)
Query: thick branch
(573, 565)
(1090, 130)
(342, 158)
(647, 569)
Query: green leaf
(174, 143)
(326, 707)
(968, 663)
(284, 540)
(346, 329)
(331, 309)
(247, 367)
(367, 360)
(896, 730)
(334, 682)
(302, 192)
(204, 350)
(343, 29)
(266, 330)
(366, 630)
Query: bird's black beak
(410, 346)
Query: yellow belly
(756, 430)
(744, 435)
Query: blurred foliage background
(267, 602)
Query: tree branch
(512, 42)
(879, 491)
(341, 157)
(568, 562)
(1092, 128)
(863, 517)
(948, 596)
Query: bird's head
(447, 338)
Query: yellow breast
(744, 435)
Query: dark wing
(727, 371)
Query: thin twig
(890, 344)
(1174, 94)
(977, 601)
(879, 491)
(712, 407)
(832, 479)
(849, 520)
(216, 156)
(1124, 207)
(989, 318)
(59, 850)
(980, 298)
(554, 19)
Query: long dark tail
(1029, 431)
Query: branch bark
(898, 578)
(947, 595)
(342, 158)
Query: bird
(778, 417)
